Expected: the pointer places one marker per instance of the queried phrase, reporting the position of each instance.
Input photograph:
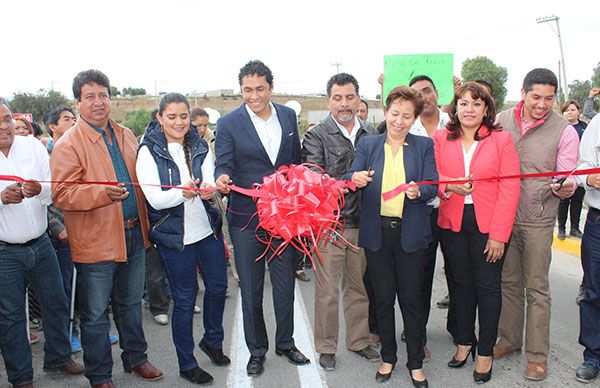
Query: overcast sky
(198, 45)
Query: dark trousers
(572, 204)
(298, 260)
(451, 317)
(209, 255)
(429, 270)
(372, 309)
(476, 283)
(589, 308)
(38, 264)
(394, 272)
(63, 253)
(155, 284)
(252, 278)
(122, 284)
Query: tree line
(473, 69)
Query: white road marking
(237, 376)
(311, 376)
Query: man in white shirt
(26, 253)
(432, 118)
(429, 121)
(252, 142)
(589, 310)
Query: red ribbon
(301, 207)
(401, 188)
(296, 204)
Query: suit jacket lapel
(409, 153)
(480, 144)
(248, 127)
(286, 133)
(460, 156)
(378, 164)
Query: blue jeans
(65, 263)
(589, 308)
(36, 262)
(180, 267)
(123, 285)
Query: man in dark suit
(252, 142)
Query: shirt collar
(342, 128)
(440, 124)
(520, 117)
(99, 129)
(255, 116)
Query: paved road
(352, 371)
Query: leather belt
(391, 222)
(25, 244)
(132, 223)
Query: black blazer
(241, 155)
(419, 165)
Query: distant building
(219, 92)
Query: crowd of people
(67, 229)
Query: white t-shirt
(468, 156)
(196, 224)
(418, 128)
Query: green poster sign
(399, 69)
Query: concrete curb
(569, 245)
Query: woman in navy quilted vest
(185, 225)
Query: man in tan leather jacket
(107, 227)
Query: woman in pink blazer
(476, 218)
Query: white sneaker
(161, 319)
(197, 310)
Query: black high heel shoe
(417, 383)
(481, 378)
(454, 363)
(383, 377)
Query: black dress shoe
(417, 383)
(327, 361)
(383, 377)
(454, 363)
(576, 233)
(215, 355)
(481, 378)
(368, 353)
(587, 372)
(197, 376)
(293, 355)
(255, 365)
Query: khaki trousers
(525, 277)
(349, 265)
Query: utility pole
(337, 67)
(565, 84)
